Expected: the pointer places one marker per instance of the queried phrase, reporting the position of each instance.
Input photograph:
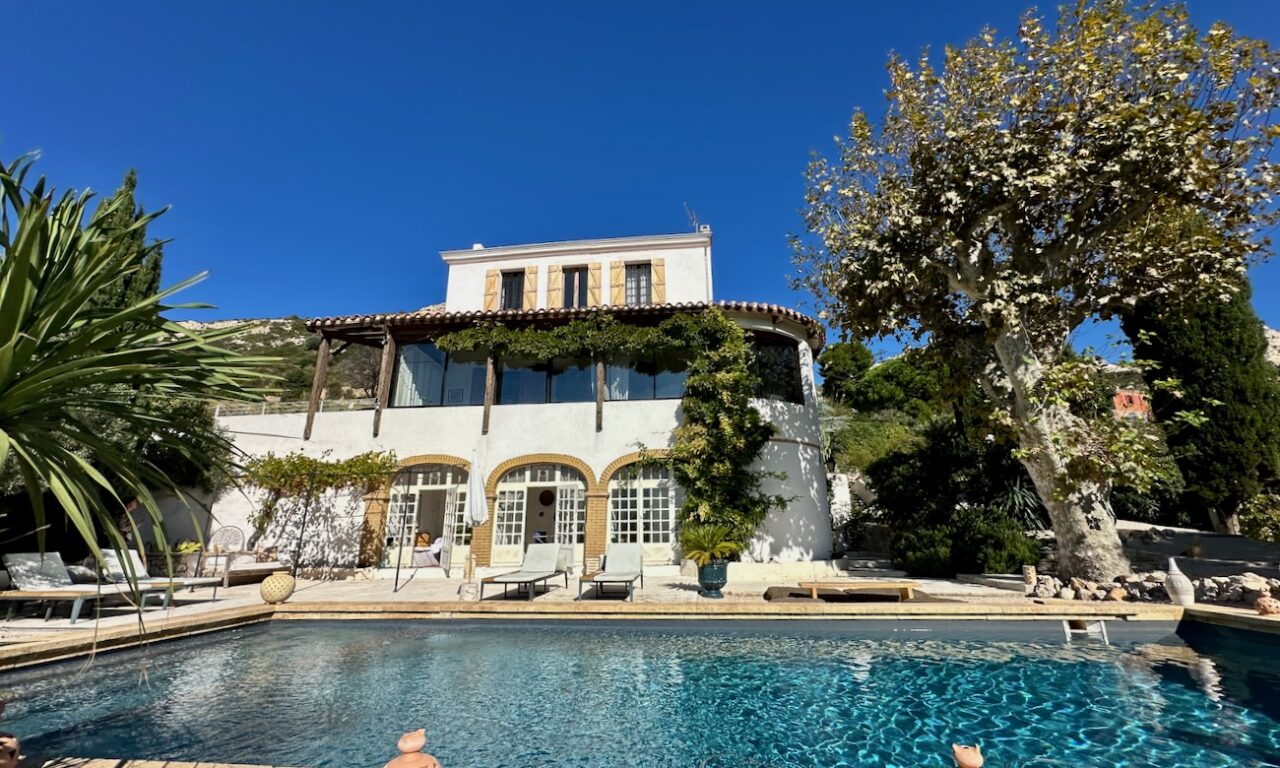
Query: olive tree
(1028, 186)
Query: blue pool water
(490, 694)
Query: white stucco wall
(687, 260)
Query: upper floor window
(657, 377)
(560, 380)
(639, 284)
(512, 290)
(427, 376)
(575, 287)
(776, 361)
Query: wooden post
(317, 384)
(384, 378)
(599, 393)
(489, 385)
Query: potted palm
(709, 546)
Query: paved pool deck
(32, 640)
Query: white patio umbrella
(477, 504)
(477, 512)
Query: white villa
(556, 440)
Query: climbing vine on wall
(722, 434)
(302, 478)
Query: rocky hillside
(1273, 346)
(353, 374)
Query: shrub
(923, 551)
(866, 438)
(975, 540)
(985, 541)
(706, 543)
(1260, 517)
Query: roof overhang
(372, 329)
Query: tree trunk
(1084, 527)
(1225, 521)
(1079, 507)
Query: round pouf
(277, 587)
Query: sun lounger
(116, 572)
(623, 565)
(542, 562)
(43, 578)
(905, 588)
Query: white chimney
(477, 246)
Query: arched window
(523, 491)
(776, 361)
(642, 505)
(427, 499)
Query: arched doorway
(538, 503)
(643, 500)
(427, 502)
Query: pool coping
(1235, 618)
(74, 644)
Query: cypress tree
(134, 286)
(1215, 353)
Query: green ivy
(722, 434)
(306, 478)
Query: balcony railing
(292, 406)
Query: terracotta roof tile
(435, 314)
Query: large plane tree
(1029, 186)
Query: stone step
(865, 563)
(873, 573)
(1007, 581)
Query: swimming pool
(714, 694)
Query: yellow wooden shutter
(617, 283)
(593, 284)
(492, 282)
(530, 288)
(659, 281)
(555, 286)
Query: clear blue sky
(318, 155)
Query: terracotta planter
(277, 587)
(1267, 606)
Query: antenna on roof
(693, 217)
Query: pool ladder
(1090, 630)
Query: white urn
(1181, 591)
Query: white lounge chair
(116, 571)
(43, 578)
(623, 564)
(541, 563)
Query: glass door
(402, 524)
(446, 534)
(571, 519)
(508, 527)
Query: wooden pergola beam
(384, 379)
(599, 393)
(489, 387)
(317, 384)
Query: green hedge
(976, 540)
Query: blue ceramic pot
(712, 577)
